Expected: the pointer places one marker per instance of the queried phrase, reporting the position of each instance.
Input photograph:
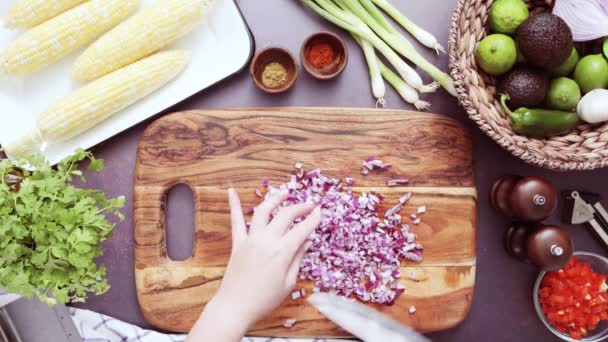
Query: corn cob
(56, 38)
(26, 14)
(141, 35)
(98, 100)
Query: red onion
(289, 323)
(373, 163)
(355, 252)
(587, 19)
(398, 181)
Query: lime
(568, 66)
(563, 94)
(496, 54)
(507, 15)
(606, 47)
(591, 72)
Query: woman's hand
(263, 267)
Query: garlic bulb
(593, 107)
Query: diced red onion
(398, 181)
(373, 163)
(258, 192)
(412, 309)
(355, 252)
(313, 173)
(405, 198)
(289, 323)
(417, 221)
(295, 295)
(422, 209)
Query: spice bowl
(324, 55)
(598, 264)
(274, 64)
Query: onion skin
(593, 107)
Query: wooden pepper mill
(548, 247)
(526, 199)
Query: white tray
(220, 46)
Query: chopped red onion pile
(354, 252)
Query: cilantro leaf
(51, 230)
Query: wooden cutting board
(212, 150)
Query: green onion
(420, 34)
(378, 87)
(350, 22)
(399, 43)
(406, 92)
(378, 16)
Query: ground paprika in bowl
(324, 55)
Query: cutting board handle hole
(180, 222)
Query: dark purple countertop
(502, 306)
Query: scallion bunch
(374, 32)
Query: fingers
(261, 215)
(239, 228)
(296, 237)
(294, 268)
(285, 217)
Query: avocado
(545, 40)
(526, 87)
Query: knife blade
(363, 322)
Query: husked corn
(98, 100)
(141, 35)
(29, 13)
(56, 38)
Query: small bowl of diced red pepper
(573, 301)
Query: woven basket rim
(530, 155)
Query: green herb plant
(50, 230)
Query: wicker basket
(585, 148)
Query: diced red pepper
(572, 299)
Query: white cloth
(7, 298)
(95, 327)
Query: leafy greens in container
(50, 230)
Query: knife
(363, 322)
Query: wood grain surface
(212, 150)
